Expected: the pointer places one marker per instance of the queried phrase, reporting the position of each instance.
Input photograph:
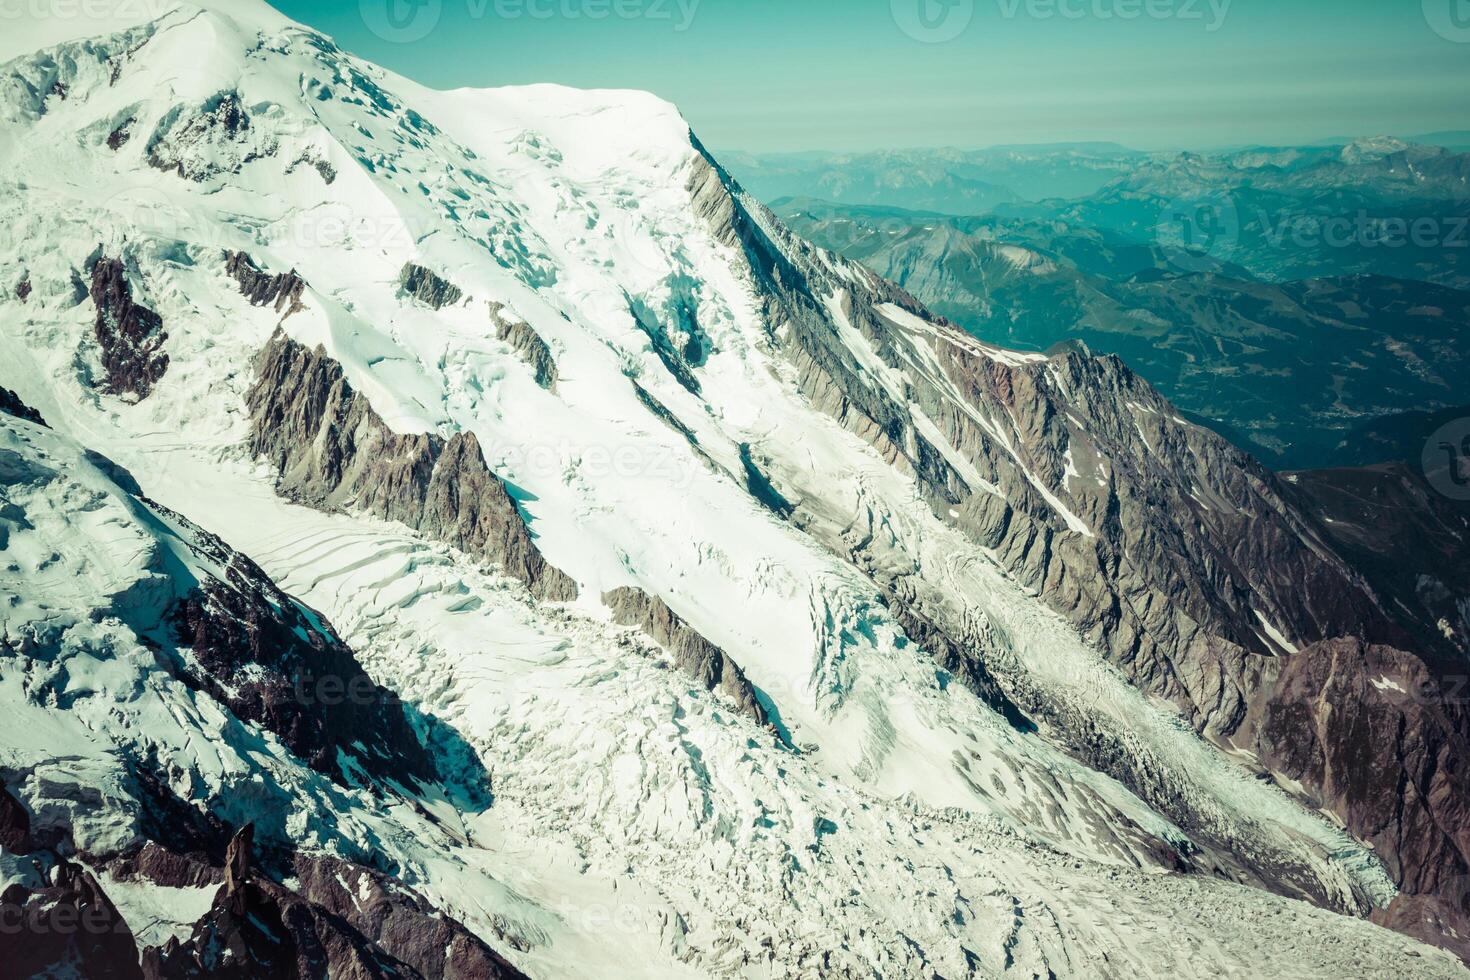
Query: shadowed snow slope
(981, 662)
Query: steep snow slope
(900, 816)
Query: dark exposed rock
(1411, 542)
(23, 289)
(761, 488)
(424, 286)
(668, 352)
(275, 666)
(397, 920)
(15, 823)
(274, 662)
(528, 344)
(282, 291)
(66, 928)
(324, 169)
(131, 336)
(216, 138)
(166, 868)
(120, 135)
(332, 451)
(693, 654)
(10, 403)
(1377, 738)
(340, 921)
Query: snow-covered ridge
(903, 803)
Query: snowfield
(889, 823)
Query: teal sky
(768, 75)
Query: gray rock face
(282, 291)
(693, 654)
(1200, 573)
(1411, 543)
(428, 288)
(527, 343)
(333, 452)
(131, 336)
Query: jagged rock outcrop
(428, 288)
(131, 336)
(23, 289)
(69, 924)
(340, 920)
(281, 291)
(281, 666)
(120, 136)
(55, 919)
(11, 403)
(693, 654)
(215, 138)
(333, 451)
(311, 158)
(396, 919)
(527, 343)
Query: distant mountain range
(970, 182)
(1285, 297)
(950, 181)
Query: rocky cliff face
(693, 654)
(246, 660)
(333, 451)
(131, 336)
(56, 915)
(281, 291)
(427, 287)
(1210, 581)
(527, 343)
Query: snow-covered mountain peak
(716, 576)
